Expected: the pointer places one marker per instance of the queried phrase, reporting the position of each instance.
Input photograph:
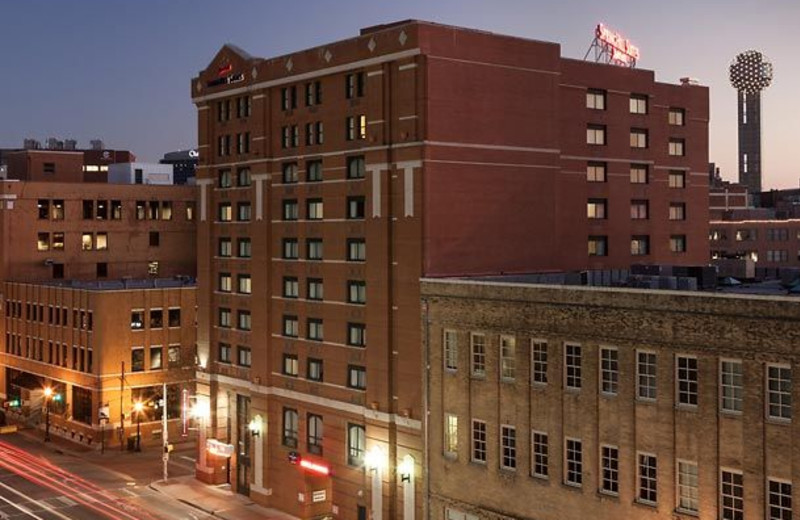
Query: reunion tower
(750, 73)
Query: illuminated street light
(48, 394)
(255, 426)
(138, 407)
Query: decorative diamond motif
(371, 45)
(403, 38)
(198, 86)
(327, 55)
(254, 73)
(289, 65)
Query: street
(41, 482)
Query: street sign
(103, 413)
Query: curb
(182, 500)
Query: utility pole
(165, 431)
(122, 409)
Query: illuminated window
(677, 179)
(609, 371)
(86, 241)
(244, 284)
(540, 454)
(450, 343)
(598, 246)
(638, 138)
(639, 174)
(137, 320)
(356, 127)
(677, 147)
(43, 242)
(596, 209)
(508, 357)
(225, 212)
(688, 493)
(640, 245)
(101, 241)
(677, 211)
(646, 375)
(596, 99)
(677, 116)
(639, 209)
(609, 460)
(224, 282)
(648, 479)
(156, 359)
(314, 209)
(451, 435)
(677, 243)
(596, 135)
(638, 104)
(356, 444)
(58, 241)
(291, 366)
(508, 447)
(58, 209)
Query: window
(290, 427)
(43, 206)
(116, 209)
(508, 357)
(596, 134)
(356, 334)
(224, 318)
(451, 435)
(574, 457)
(43, 242)
(137, 320)
(224, 282)
(291, 249)
(86, 241)
(137, 359)
(243, 143)
(288, 98)
(731, 495)
(356, 167)
(102, 269)
(609, 370)
(598, 246)
(224, 247)
(478, 441)
(779, 502)
(354, 85)
(314, 209)
(355, 207)
(88, 209)
(314, 369)
(290, 173)
(648, 474)
(688, 493)
(638, 138)
(141, 210)
(686, 368)
(779, 390)
(538, 361)
(677, 179)
(314, 171)
(314, 434)
(677, 147)
(243, 106)
(224, 110)
(508, 447)
(223, 146)
(596, 99)
(314, 249)
(243, 212)
(313, 93)
(244, 284)
(101, 241)
(244, 320)
(609, 463)
(646, 375)
(356, 250)
(291, 287)
(356, 292)
(290, 365)
(639, 209)
(357, 377)
(640, 245)
(156, 318)
(58, 209)
(540, 454)
(315, 329)
(243, 177)
(677, 243)
(450, 343)
(639, 174)
(156, 358)
(225, 212)
(356, 127)
(677, 116)
(315, 289)
(677, 211)
(102, 210)
(244, 247)
(732, 386)
(174, 355)
(596, 172)
(155, 239)
(572, 362)
(596, 208)
(356, 444)
(290, 209)
(638, 104)
(478, 349)
(174, 317)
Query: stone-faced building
(562, 403)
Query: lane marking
(41, 503)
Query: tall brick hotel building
(334, 178)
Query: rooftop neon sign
(622, 50)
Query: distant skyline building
(184, 164)
(750, 73)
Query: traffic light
(14, 403)
(57, 397)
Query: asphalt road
(37, 483)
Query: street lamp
(138, 407)
(48, 393)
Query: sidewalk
(215, 500)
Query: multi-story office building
(551, 402)
(62, 165)
(331, 179)
(184, 165)
(93, 276)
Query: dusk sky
(120, 70)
